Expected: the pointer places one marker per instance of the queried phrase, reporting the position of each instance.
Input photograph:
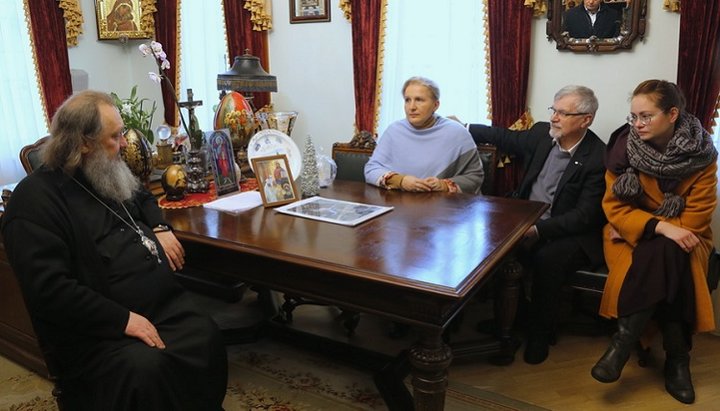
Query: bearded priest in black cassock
(94, 260)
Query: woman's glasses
(644, 119)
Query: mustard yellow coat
(699, 192)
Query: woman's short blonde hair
(423, 81)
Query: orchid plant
(155, 49)
(134, 115)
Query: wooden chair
(30, 155)
(351, 157)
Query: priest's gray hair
(77, 122)
(587, 102)
(423, 81)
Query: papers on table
(333, 211)
(236, 203)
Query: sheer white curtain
(203, 50)
(443, 41)
(21, 110)
(716, 231)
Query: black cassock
(81, 269)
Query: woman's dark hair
(665, 94)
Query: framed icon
(121, 19)
(275, 180)
(222, 160)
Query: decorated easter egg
(235, 114)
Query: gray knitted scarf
(689, 150)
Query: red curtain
(241, 36)
(509, 35)
(699, 57)
(365, 40)
(166, 32)
(48, 31)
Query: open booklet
(333, 211)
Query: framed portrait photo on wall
(309, 11)
(121, 19)
(275, 180)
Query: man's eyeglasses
(120, 133)
(644, 119)
(562, 113)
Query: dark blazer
(577, 205)
(578, 24)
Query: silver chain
(145, 240)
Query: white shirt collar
(572, 149)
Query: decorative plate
(273, 142)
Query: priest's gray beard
(110, 177)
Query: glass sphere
(163, 132)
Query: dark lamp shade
(246, 75)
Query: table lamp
(246, 76)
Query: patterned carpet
(269, 375)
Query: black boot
(678, 382)
(610, 365)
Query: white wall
(113, 66)
(611, 76)
(313, 65)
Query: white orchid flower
(127, 108)
(155, 77)
(165, 65)
(156, 47)
(145, 50)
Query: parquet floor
(563, 382)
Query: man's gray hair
(423, 81)
(77, 122)
(587, 102)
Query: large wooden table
(418, 264)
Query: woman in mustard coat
(660, 196)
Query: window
(716, 130)
(21, 113)
(443, 41)
(203, 56)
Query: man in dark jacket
(592, 18)
(94, 260)
(563, 163)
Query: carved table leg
(506, 306)
(430, 359)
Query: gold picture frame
(275, 180)
(121, 20)
(309, 11)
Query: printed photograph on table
(275, 180)
(122, 19)
(221, 155)
(309, 11)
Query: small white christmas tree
(309, 175)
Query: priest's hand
(142, 329)
(174, 251)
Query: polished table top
(437, 243)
